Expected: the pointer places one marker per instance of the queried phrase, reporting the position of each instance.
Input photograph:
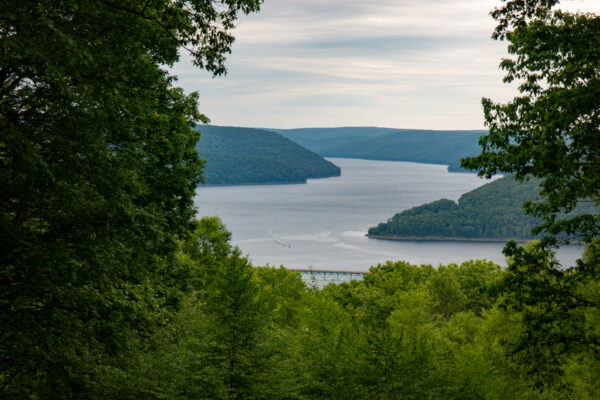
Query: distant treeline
(492, 211)
(415, 145)
(253, 156)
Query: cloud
(394, 63)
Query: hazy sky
(390, 63)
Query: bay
(321, 224)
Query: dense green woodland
(247, 156)
(404, 332)
(110, 288)
(424, 146)
(492, 211)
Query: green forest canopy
(404, 331)
(493, 211)
(98, 169)
(110, 289)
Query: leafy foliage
(97, 177)
(550, 131)
(110, 289)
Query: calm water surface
(322, 224)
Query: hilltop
(491, 212)
(236, 156)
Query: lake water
(321, 224)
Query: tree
(559, 309)
(221, 343)
(97, 177)
(552, 130)
(234, 321)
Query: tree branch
(143, 15)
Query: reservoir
(321, 224)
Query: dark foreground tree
(97, 173)
(552, 129)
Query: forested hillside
(425, 146)
(403, 332)
(318, 139)
(492, 211)
(251, 156)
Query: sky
(415, 64)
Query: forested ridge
(433, 147)
(318, 139)
(370, 143)
(252, 156)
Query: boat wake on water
(278, 240)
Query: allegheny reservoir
(321, 224)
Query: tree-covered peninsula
(493, 211)
(235, 156)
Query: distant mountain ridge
(318, 139)
(372, 143)
(236, 156)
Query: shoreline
(444, 239)
(208, 185)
